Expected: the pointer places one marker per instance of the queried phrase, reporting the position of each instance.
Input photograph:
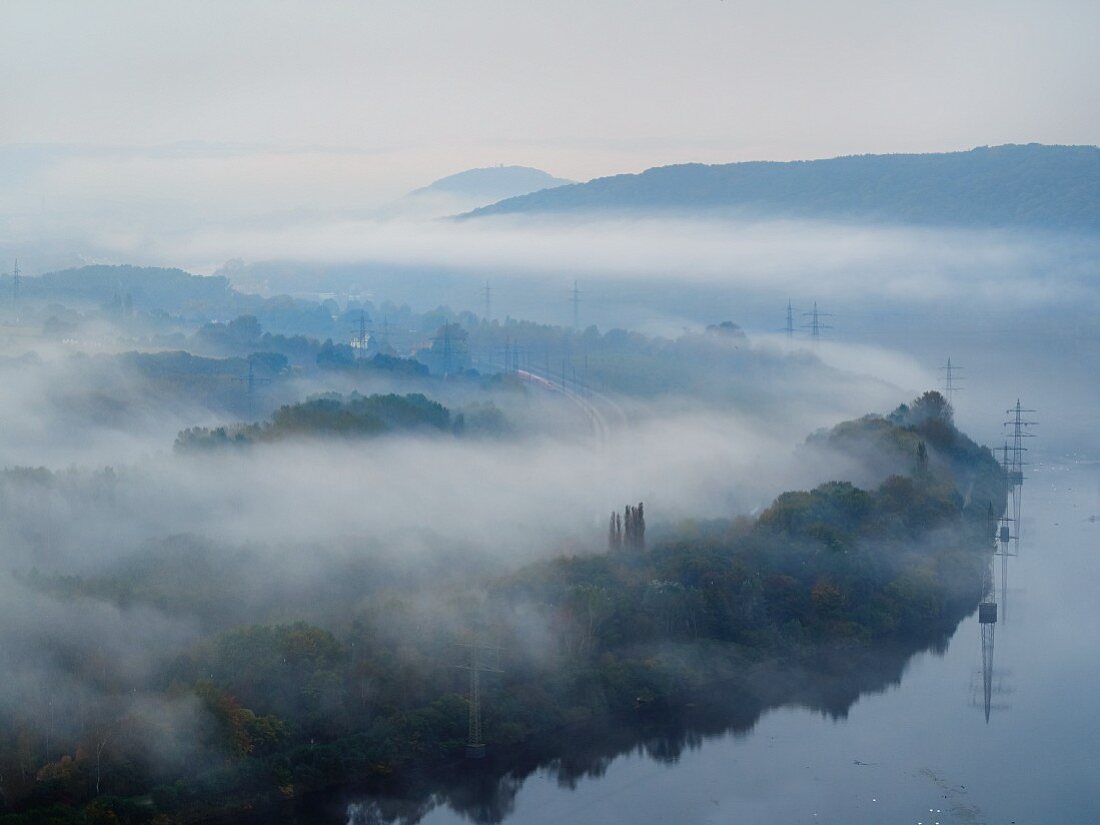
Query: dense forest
(264, 705)
(332, 415)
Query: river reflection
(486, 792)
(875, 736)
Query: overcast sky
(581, 87)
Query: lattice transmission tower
(815, 325)
(951, 381)
(483, 659)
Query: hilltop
(493, 183)
(471, 189)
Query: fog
(62, 411)
(901, 300)
(126, 561)
(841, 261)
(290, 527)
(584, 516)
(78, 416)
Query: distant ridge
(492, 183)
(1028, 186)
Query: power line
(1014, 455)
(362, 335)
(950, 380)
(475, 747)
(250, 383)
(511, 354)
(1019, 431)
(452, 344)
(815, 326)
(987, 620)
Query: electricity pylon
(950, 381)
(987, 620)
(478, 664)
(815, 326)
(362, 335)
(1014, 472)
(250, 383)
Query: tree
(335, 356)
(245, 329)
(615, 533)
(931, 406)
(272, 362)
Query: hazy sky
(419, 89)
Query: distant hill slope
(148, 286)
(1048, 187)
(493, 184)
(471, 189)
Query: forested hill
(1018, 186)
(147, 286)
